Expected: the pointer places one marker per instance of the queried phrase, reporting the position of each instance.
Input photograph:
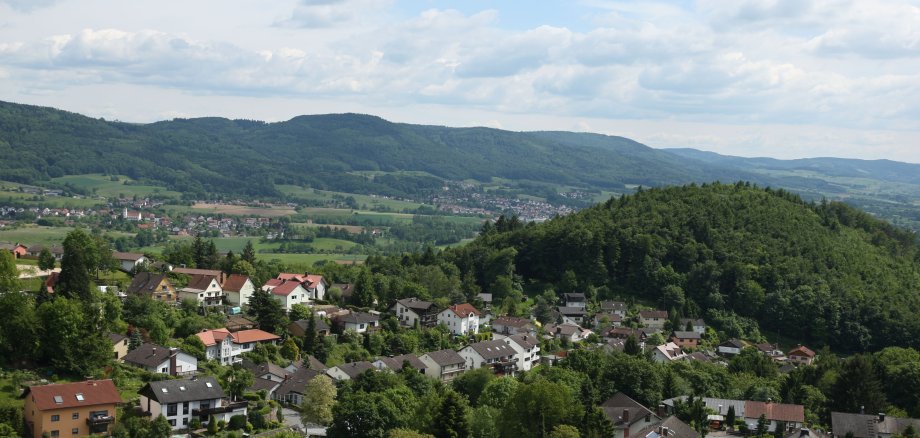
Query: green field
(366, 202)
(309, 259)
(236, 244)
(102, 185)
(8, 196)
(48, 236)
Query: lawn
(309, 259)
(102, 185)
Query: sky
(777, 78)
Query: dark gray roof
(693, 322)
(571, 311)
(733, 343)
(146, 282)
(675, 429)
(259, 384)
(445, 357)
(526, 342)
(358, 318)
(492, 349)
(354, 369)
(261, 369)
(296, 382)
(173, 391)
(395, 363)
(613, 305)
(416, 304)
(620, 403)
(575, 297)
(869, 426)
(686, 335)
(115, 338)
(320, 324)
(147, 355)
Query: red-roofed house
(801, 355)
(287, 276)
(289, 293)
(204, 290)
(460, 319)
(792, 415)
(238, 289)
(220, 344)
(71, 409)
(316, 286)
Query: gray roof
(358, 318)
(148, 355)
(526, 342)
(486, 298)
(319, 324)
(686, 335)
(714, 403)
(675, 429)
(445, 357)
(115, 338)
(613, 305)
(173, 391)
(354, 369)
(261, 369)
(694, 322)
(615, 407)
(259, 384)
(395, 363)
(512, 321)
(296, 382)
(146, 282)
(416, 304)
(574, 297)
(492, 349)
(733, 343)
(571, 311)
(869, 426)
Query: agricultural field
(124, 187)
(242, 210)
(9, 195)
(366, 202)
(353, 229)
(48, 236)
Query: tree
(67, 341)
(762, 425)
(472, 383)
(857, 387)
(20, 326)
(267, 311)
(46, 260)
(538, 407)
(135, 340)
(565, 431)
(407, 433)
(497, 392)
(194, 346)
(309, 336)
(451, 420)
(77, 266)
(730, 417)
(9, 274)
(249, 253)
(631, 346)
(235, 380)
(364, 295)
(484, 422)
(319, 399)
(212, 425)
(289, 350)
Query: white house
(653, 318)
(227, 348)
(129, 260)
(526, 350)
(575, 300)
(730, 347)
(460, 319)
(288, 293)
(412, 311)
(158, 359)
(238, 289)
(358, 322)
(668, 353)
(316, 286)
(444, 365)
(180, 401)
(495, 354)
(697, 325)
(571, 332)
(349, 371)
(204, 290)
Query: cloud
(27, 5)
(331, 13)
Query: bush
(237, 422)
(194, 424)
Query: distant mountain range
(337, 151)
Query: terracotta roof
(235, 282)
(775, 411)
(511, 321)
(288, 276)
(463, 310)
(314, 280)
(253, 335)
(51, 281)
(130, 256)
(273, 282)
(801, 350)
(285, 288)
(92, 392)
(200, 282)
(212, 337)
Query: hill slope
(827, 273)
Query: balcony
(100, 420)
(229, 407)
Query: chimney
(625, 415)
(720, 409)
(665, 431)
(661, 410)
(173, 356)
(153, 351)
(862, 409)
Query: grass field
(365, 201)
(242, 210)
(38, 235)
(102, 185)
(236, 244)
(353, 229)
(309, 259)
(47, 201)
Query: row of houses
(460, 319)
(205, 287)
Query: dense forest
(824, 273)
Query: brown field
(242, 210)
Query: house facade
(495, 354)
(653, 318)
(513, 325)
(227, 347)
(801, 355)
(129, 261)
(359, 322)
(412, 311)
(71, 409)
(444, 365)
(238, 289)
(182, 400)
(164, 360)
(685, 339)
(157, 286)
(668, 353)
(460, 319)
(205, 290)
(287, 292)
(526, 350)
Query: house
(210, 272)
(413, 311)
(236, 323)
(575, 300)
(56, 251)
(299, 328)
(671, 427)
(569, 332)
(616, 307)
(204, 290)
(444, 365)
(267, 370)
(157, 286)
(526, 350)
(51, 281)
(624, 333)
(460, 319)
(71, 409)
(348, 289)
(18, 249)
(628, 416)
(358, 322)
(513, 325)
(316, 286)
(119, 345)
(129, 261)
(291, 391)
(349, 371)
(801, 355)
(486, 300)
(653, 318)
(668, 353)
(697, 325)
(182, 400)
(288, 293)
(226, 347)
(772, 351)
(730, 347)
(238, 289)
(750, 411)
(869, 426)
(397, 363)
(495, 354)
(164, 360)
(572, 315)
(685, 339)
(606, 319)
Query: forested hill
(819, 273)
(215, 155)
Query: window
(75, 416)
(185, 421)
(55, 433)
(171, 410)
(184, 410)
(75, 431)
(164, 370)
(55, 418)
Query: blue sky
(779, 78)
